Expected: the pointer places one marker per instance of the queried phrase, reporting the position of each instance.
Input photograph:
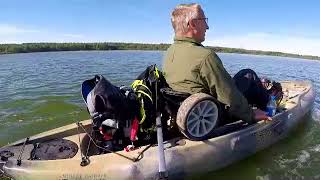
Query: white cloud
(17, 34)
(269, 42)
(73, 35)
(6, 29)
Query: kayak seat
(172, 97)
(196, 115)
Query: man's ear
(191, 24)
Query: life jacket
(147, 88)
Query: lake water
(41, 91)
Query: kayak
(67, 152)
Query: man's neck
(186, 35)
(186, 39)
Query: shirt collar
(187, 39)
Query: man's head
(188, 20)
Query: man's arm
(220, 82)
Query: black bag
(107, 101)
(251, 87)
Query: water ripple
(316, 115)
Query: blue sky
(279, 25)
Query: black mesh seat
(174, 97)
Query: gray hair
(182, 14)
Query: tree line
(47, 47)
(267, 53)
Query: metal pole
(162, 161)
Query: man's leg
(251, 87)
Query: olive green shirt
(190, 67)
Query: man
(190, 67)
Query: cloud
(270, 42)
(17, 34)
(6, 29)
(73, 35)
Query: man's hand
(260, 115)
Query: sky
(291, 26)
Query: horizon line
(210, 46)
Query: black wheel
(198, 116)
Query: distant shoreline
(49, 47)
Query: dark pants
(249, 84)
(251, 87)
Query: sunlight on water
(316, 115)
(265, 177)
(316, 148)
(303, 158)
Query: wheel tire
(198, 116)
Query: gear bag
(108, 104)
(147, 88)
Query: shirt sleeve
(220, 83)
